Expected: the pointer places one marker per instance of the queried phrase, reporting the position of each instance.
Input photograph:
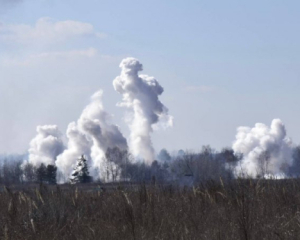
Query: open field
(241, 209)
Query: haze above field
(222, 65)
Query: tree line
(184, 167)
(14, 172)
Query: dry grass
(242, 209)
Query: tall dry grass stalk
(240, 209)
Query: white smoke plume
(91, 135)
(266, 151)
(46, 146)
(78, 144)
(95, 123)
(140, 94)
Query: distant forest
(183, 168)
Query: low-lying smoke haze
(265, 150)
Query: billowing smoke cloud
(46, 146)
(95, 123)
(140, 94)
(78, 144)
(91, 135)
(267, 151)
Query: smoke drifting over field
(46, 145)
(266, 150)
(140, 94)
(77, 144)
(93, 133)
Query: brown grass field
(240, 209)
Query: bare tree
(29, 172)
(12, 171)
(116, 163)
(264, 161)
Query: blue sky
(223, 64)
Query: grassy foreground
(241, 209)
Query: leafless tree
(264, 161)
(116, 161)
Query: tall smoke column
(46, 146)
(140, 93)
(95, 123)
(253, 143)
(91, 135)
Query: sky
(223, 64)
